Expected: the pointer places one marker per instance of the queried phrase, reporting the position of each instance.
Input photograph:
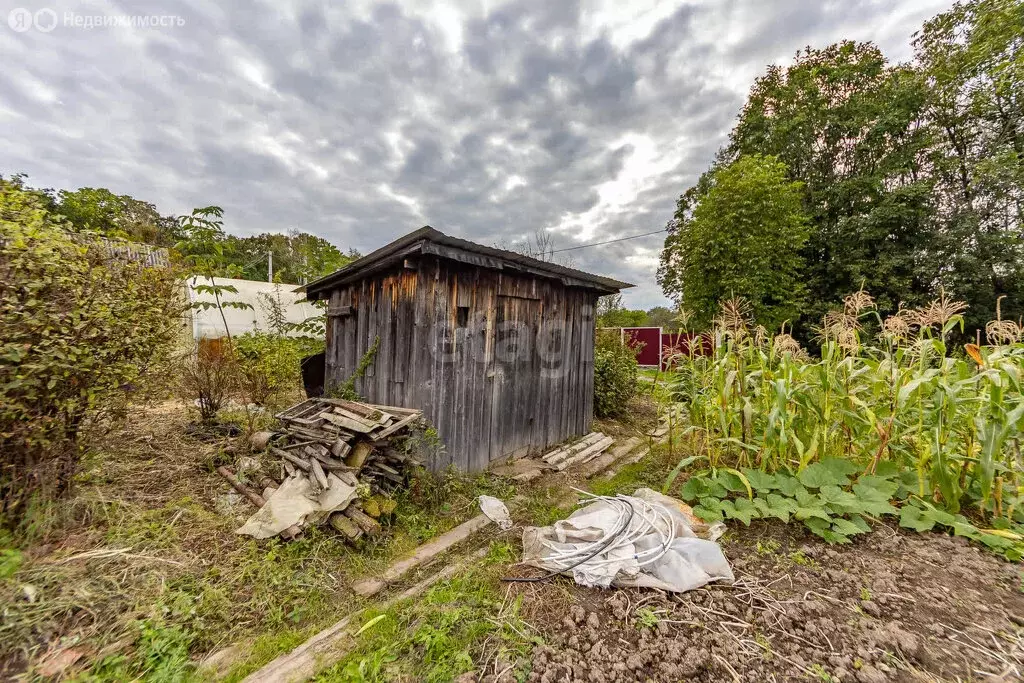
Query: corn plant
(947, 427)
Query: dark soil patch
(895, 606)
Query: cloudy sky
(361, 121)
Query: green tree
(299, 257)
(740, 235)
(848, 126)
(972, 58)
(101, 211)
(611, 313)
(662, 317)
(81, 330)
(202, 247)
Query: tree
(848, 126)
(659, 316)
(101, 211)
(611, 313)
(202, 248)
(299, 257)
(740, 236)
(972, 58)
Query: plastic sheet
(660, 544)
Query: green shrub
(615, 374)
(270, 364)
(80, 328)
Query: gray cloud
(360, 123)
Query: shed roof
(427, 240)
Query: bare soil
(894, 606)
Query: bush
(79, 330)
(270, 364)
(615, 374)
(209, 376)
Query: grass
(141, 571)
(649, 472)
(468, 622)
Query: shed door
(515, 368)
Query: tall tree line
(298, 257)
(910, 178)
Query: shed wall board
(507, 375)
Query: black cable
(598, 244)
(607, 542)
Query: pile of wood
(323, 435)
(354, 442)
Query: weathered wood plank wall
(500, 363)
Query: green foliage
(198, 239)
(835, 512)
(662, 317)
(270, 361)
(439, 636)
(836, 440)
(970, 59)
(647, 617)
(347, 389)
(10, 560)
(270, 364)
(298, 257)
(848, 127)
(79, 331)
(611, 313)
(101, 211)
(911, 174)
(739, 236)
(615, 373)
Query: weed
(142, 538)
(439, 636)
(10, 560)
(865, 594)
(769, 547)
(799, 558)
(765, 644)
(646, 617)
(821, 673)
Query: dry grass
(140, 573)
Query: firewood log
(368, 524)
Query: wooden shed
(496, 348)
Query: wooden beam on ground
(588, 453)
(332, 644)
(421, 555)
(602, 463)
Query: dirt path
(893, 607)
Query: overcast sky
(360, 121)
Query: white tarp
(662, 546)
(298, 502)
(207, 322)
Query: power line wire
(598, 244)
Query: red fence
(649, 341)
(657, 346)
